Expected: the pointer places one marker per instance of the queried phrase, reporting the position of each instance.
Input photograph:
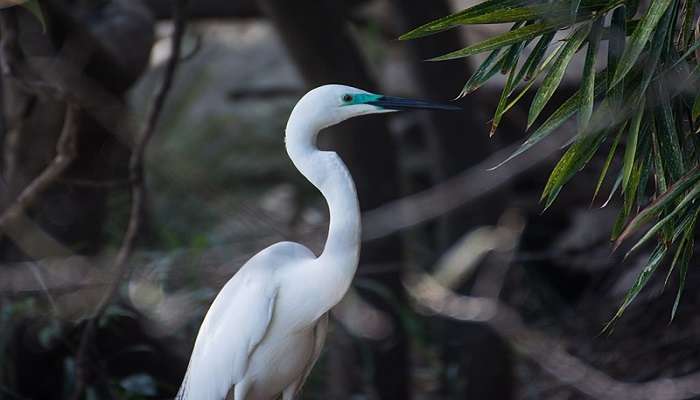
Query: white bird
(266, 328)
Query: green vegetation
(643, 102)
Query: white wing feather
(235, 324)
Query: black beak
(398, 103)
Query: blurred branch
(362, 319)
(65, 154)
(466, 188)
(162, 9)
(548, 352)
(217, 9)
(137, 192)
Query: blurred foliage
(643, 100)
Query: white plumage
(266, 327)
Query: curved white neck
(328, 173)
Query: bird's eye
(347, 98)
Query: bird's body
(266, 328)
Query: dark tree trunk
(457, 141)
(316, 36)
(107, 45)
(217, 9)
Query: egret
(266, 328)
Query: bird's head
(330, 104)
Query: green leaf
(575, 158)
(527, 87)
(642, 197)
(690, 196)
(686, 223)
(525, 33)
(34, 7)
(656, 48)
(498, 12)
(683, 254)
(573, 9)
(639, 38)
(667, 198)
(556, 73)
(686, 31)
(632, 192)
(502, 101)
(684, 232)
(688, 53)
(659, 166)
(608, 161)
(588, 80)
(616, 185)
(533, 60)
(616, 46)
(558, 117)
(669, 146)
(696, 108)
(642, 279)
(486, 70)
(631, 148)
(687, 255)
(510, 60)
(453, 20)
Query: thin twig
(137, 196)
(65, 154)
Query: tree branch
(548, 352)
(137, 195)
(474, 184)
(65, 154)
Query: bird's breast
(280, 360)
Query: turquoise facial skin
(362, 98)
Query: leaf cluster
(639, 102)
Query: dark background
(466, 289)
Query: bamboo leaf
(525, 33)
(659, 166)
(683, 254)
(616, 185)
(504, 11)
(502, 102)
(616, 47)
(556, 73)
(642, 279)
(632, 138)
(558, 117)
(670, 195)
(656, 48)
(34, 7)
(588, 80)
(486, 70)
(453, 20)
(690, 196)
(696, 108)
(608, 161)
(573, 11)
(644, 173)
(669, 145)
(631, 191)
(687, 255)
(533, 60)
(639, 39)
(512, 56)
(575, 158)
(527, 87)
